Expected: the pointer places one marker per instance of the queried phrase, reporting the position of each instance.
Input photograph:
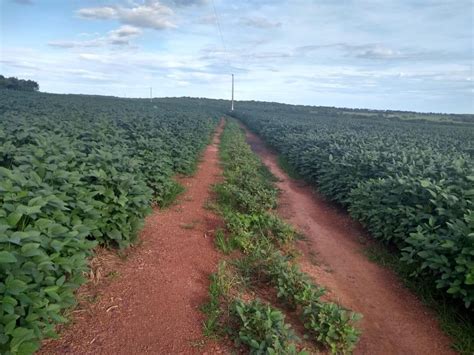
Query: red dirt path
(152, 306)
(394, 322)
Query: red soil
(395, 322)
(152, 306)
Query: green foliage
(331, 325)
(246, 189)
(18, 84)
(258, 233)
(293, 286)
(224, 243)
(248, 229)
(223, 283)
(76, 171)
(212, 308)
(261, 328)
(410, 182)
(440, 242)
(287, 167)
(328, 323)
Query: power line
(220, 32)
(232, 102)
(226, 53)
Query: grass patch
(225, 244)
(454, 320)
(212, 309)
(175, 190)
(223, 283)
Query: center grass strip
(263, 242)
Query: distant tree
(18, 84)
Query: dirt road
(152, 305)
(394, 322)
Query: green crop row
(246, 198)
(76, 171)
(410, 183)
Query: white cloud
(75, 44)
(100, 13)
(120, 36)
(152, 14)
(123, 35)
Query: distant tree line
(18, 84)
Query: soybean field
(218, 258)
(77, 171)
(409, 181)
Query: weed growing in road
(331, 325)
(246, 198)
(224, 243)
(261, 328)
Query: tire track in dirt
(395, 321)
(152, 306)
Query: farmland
(81, 171)
(410, 182)
(77, 171)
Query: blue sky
(386, 54)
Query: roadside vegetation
(263, 258)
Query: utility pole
(232, 104)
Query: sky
(380, 54)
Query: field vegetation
(77, 171)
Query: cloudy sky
(387, 54)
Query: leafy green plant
(293, 286)
(331, 325)
(328, 323)
(262, 328)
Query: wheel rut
(395, 321)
